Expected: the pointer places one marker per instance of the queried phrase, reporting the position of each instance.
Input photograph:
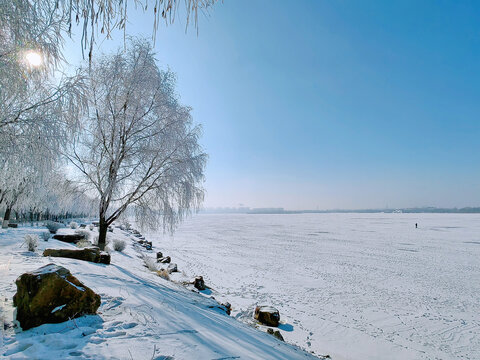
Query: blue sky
(330, 104)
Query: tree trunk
(102, 233)
(6, 218)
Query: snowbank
(142, 316)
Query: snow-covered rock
(267, 315)
(92, 254)
(172, 268)
(199, 283)
(164, 260)
(69, 238)
(275, 333)
(51, 294)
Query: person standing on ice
(416, 225)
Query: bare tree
(138, 146)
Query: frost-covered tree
(35, 120)
(20, 173)
(36, 109)
(138, 147)
(42, 23)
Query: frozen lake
(355, 286)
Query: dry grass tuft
(163, 273)
(31, 241)
(119, 245)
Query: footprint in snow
(114, 334)
(17, 349)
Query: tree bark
(102, 233)
(6, 218)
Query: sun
(34, 58)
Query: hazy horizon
(242, 206)
(349, 105)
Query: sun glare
(33, 58)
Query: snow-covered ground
(141, 315)
(355, 286)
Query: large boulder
(159, 255)
(69, 238)
(51, 294)
(267, 315)
(92, 254)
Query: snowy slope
(141, 316)
(355, 286)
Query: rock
(92, 254)
(275, 333)
(172, 268)
(83, 226)
(95, 223)
(137, 235)
(199, 283)
(159, 254)
(228, 307)
(148, 247)
(110, 229)
(51, 294)
(13, 225)
(104, 258)
(69, 238)
(267, 315)
(164, 260)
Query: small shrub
(126, 225)
(84, 243)
(119, 245)
(150, 263)
(32, 242)
(84, 233)
(163, 273)
(53, 226)
(73, 225)
(45, 235)
(95, 241)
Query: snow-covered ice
(141, 316)
(355, 286)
